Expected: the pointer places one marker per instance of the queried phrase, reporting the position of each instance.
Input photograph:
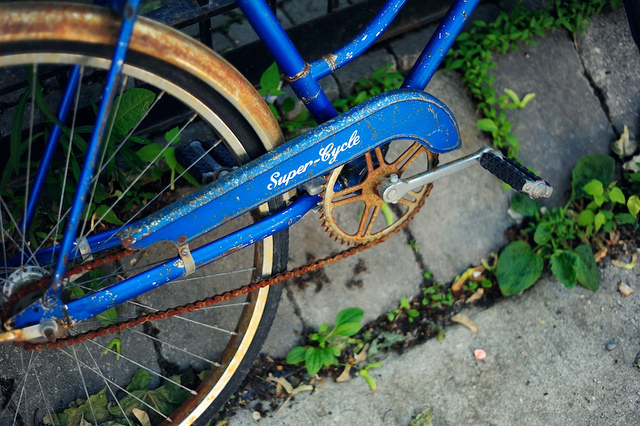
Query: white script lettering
(328, 154)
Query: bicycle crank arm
(393, 188)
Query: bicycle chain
(177, 310)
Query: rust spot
(128, 242)
(182, 239)
(301, 74)
(330, 59)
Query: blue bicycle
(112, 272)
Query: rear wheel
(179, 369)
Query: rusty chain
(177, 310)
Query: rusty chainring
(365, 201)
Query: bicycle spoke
(155, 373)
(120, 388)
(107, 384)
(84, 384)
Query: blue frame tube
(295, 69)
(92, 305)
(329, 63)
(50, 148)
(130, 13)
(439, 44)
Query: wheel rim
(252, 308)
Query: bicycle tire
(49, 33)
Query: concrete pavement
(548, 361)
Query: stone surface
(565, 121)
(614, 66)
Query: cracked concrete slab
(614, 68)
(565, 121)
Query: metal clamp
(189, 264)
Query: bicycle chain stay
(206, 302)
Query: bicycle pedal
(516, 175)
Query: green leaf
(599, 220)
(588, 274)
(106, 214)
(513, 96)
(349, 315)
(313, 360)
(164, 399)
(527, 98)
(524, 205)
(594, 188)
(149, 153)
(93, 411)
(328, 357)
(348, 329)
(132, 107)
(487, 125)
(543, 233)
(296, 355)
(173, 135)
(633, 204)
(564, 265)
(624, 218)
(586, 218)
(616, 196)
(519, 267)
(270, 80)
(594, 166)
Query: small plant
(380, 81)
(435, 295)
(414, 246)
(405, 307)
(328, 344)
(557, 233)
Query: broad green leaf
(328, 357)
(149, 153)
(93, 411)
(173, 135)
(270, 79)
(543, 233)
(519, 267)
(313, 360)
(586, 217)
(524, 205)
(106, 214)
(140, 381)
(624, 218)
(296, 355)
(132, 106)
(588, 274)
(164, 399)
(594, 166)
(594, 188)
(487, 125)
(349, 315)
(616, 196)
(348, 329)
(564, 265)
(633, 204)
